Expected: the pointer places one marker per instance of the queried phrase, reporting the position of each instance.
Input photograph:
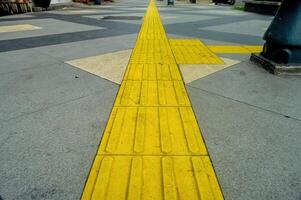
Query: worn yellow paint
(152, 147)
(254, 49)
(193, 51)
(110, 66)
(223, 49)
(19, 27)
(194, 72)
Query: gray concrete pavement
(251, 120)
(52, 115)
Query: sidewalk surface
(55, 104)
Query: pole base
(275, 68)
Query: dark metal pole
(282, 49)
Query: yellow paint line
(223, 49)
(193, 51)
(20, 27)
(152, 147)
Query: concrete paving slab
(240, 57)
(256, 153)
(222, 12)
(250, 124)
(23, 59)
(164, 7)
(183, 19)
(134, 8)
(46, 27)
(52, 114)
(217, 42)
(253, 85)
(84, 11)
(134, 21)
(64, 38)
(201, 28)
(112, 28)
(48, 153)
(101, 11)
(16, 17)
(34, 89)
(252, 27)
(75, 50)
(101, 16)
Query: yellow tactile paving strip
(223, 49)
(19, 27)
(193, 51)
(152, 147)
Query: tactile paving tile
(153, 72)
(152, 58)
(152, 131)
(152, 46)
(152, 177)
(152, 93)
(192, 51)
